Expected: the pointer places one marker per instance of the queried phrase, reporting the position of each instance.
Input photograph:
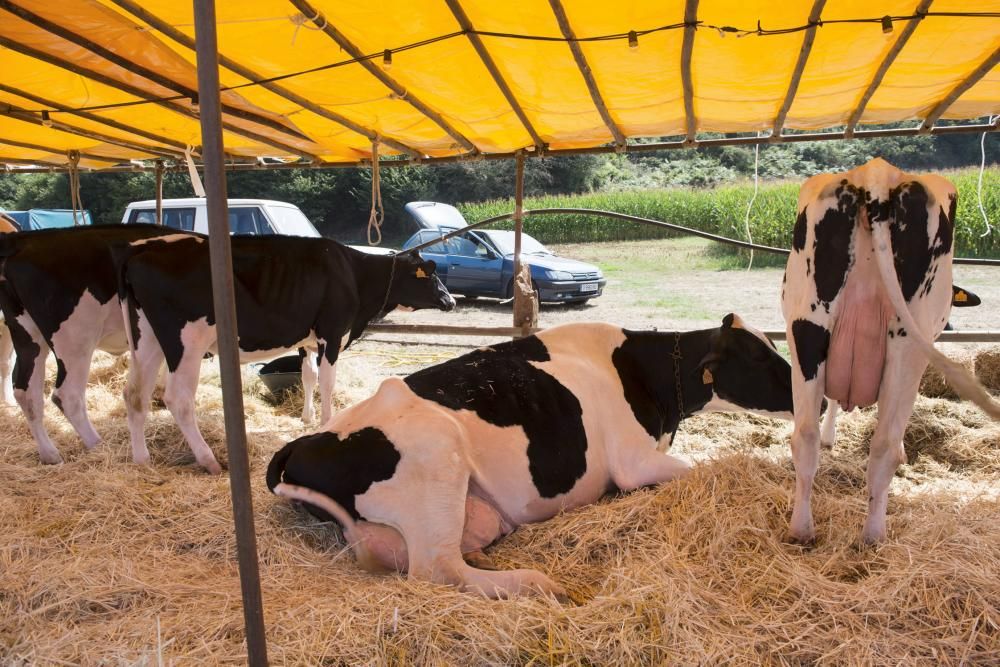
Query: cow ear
(710, 360)
(727, 321)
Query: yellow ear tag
(706, 377)
(961, 297)
(420, 273)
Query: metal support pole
(159, 192)
(225, 320)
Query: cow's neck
(659, 373)
(372, 273)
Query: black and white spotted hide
(867, 288)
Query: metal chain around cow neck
(388, 288)
(677, 375)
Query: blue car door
(473, 266)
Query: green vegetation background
(708, 189)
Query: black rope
(739, 32)
(656, 223)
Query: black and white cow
(442, 463)
(867, 288)
(58, 292)
(291, 292)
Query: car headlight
(559, 275)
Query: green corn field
(722, 211)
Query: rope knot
(300, 20)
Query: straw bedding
(104, 562)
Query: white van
(259, 217)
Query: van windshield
(291, 221)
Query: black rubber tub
(282, 375)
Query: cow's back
(535, 414)
(47, 271)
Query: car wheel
(534, 286)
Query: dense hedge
(722, 210)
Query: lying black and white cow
(291, 292)
(442, 463)
(867, 288)
(58, 292)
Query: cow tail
(120, 254)
(354, 538)
(964, 382)
(277, 465)
(7, 248)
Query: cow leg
(70, 393)
(432, 520)
(309, 374)
(143, 376)
(182, 384)
(327, 379)
(31, 398)
(29, 383)
(828, 432)
(7, 365)
(807, 400)
(639, 466)
(900, 383)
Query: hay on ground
(105, 562)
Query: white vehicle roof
(200, 201)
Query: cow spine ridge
(354, 538)
(964, 383)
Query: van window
(175, 218)
(248, 220)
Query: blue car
(480, 262)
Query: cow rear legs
(7, 365)
(900, 383)
(143, 375)
(29, 380)
(433, 522)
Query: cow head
(746, 372)
(415, 285)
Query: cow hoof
(212, 467)
(142, 459)
(871, 539)
(826, 445)
(50, 458)
(807, 540)
(479, 560)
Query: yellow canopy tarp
(79, 60)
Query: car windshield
(291, 221)
(504, 240)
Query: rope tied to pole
(74, 187)
(301, 20)
(377, 214)
(979, 186)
